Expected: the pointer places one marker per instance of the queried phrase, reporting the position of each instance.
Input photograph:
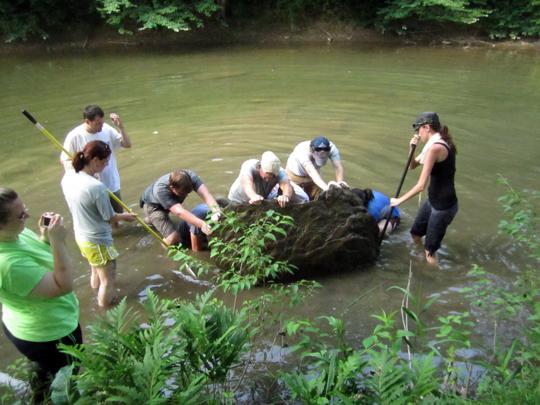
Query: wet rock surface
(332, 234)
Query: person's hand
(128, 216)
(206, 229)
(394, 202)
(283, 200)
(41, 225)
(414, 140)
(344, 185)
(256, 200)
(333, 183)
(216, 216)
(115, 118)
(55, 232)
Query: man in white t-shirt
(305, 162)
(260, 179)
(94, 128)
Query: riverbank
(106, 38)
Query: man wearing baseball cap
(305, 162)
(260, 179)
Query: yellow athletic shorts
(97, 255)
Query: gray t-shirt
(90, 207)
(160, 195)
(250, 169)
(301, 155)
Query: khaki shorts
(97, 255)
(159, 219)
(306, 183)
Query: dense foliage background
(32, 19)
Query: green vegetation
(245, 262)
(24, 19)
(204, 351)
(30, 19)
(398, 15)
(418, 363)
(176, 15)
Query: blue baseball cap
(320, 142)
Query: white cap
(270, 163)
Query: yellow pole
(44, 131)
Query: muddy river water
(211, 109)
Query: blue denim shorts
(432, 224)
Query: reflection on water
(211, 110)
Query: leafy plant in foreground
(512, 374)
(240, 248)
(332, 371)
(180, 355)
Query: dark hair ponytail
(445, 135)
(78, 161)
(91, 150)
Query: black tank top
(441, 191)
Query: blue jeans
(184, 229)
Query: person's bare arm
(338, 169)
(249, 189)
(286, 193)
(60, 281)
(124, 216)
(315, 176)
(436, 152)
(186, 215)
(126, 140)
(414, 141)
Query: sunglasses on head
(321, 149)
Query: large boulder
(334, 233)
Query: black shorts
(46, 354)
(432, 224)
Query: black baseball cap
(430, 118)
(320, 142)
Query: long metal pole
(44, 131)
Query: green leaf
(61, 386)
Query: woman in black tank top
(439, 166)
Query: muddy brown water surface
(211, 109)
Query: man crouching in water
(166, 195)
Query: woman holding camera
(93, 214)
(39, 308)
